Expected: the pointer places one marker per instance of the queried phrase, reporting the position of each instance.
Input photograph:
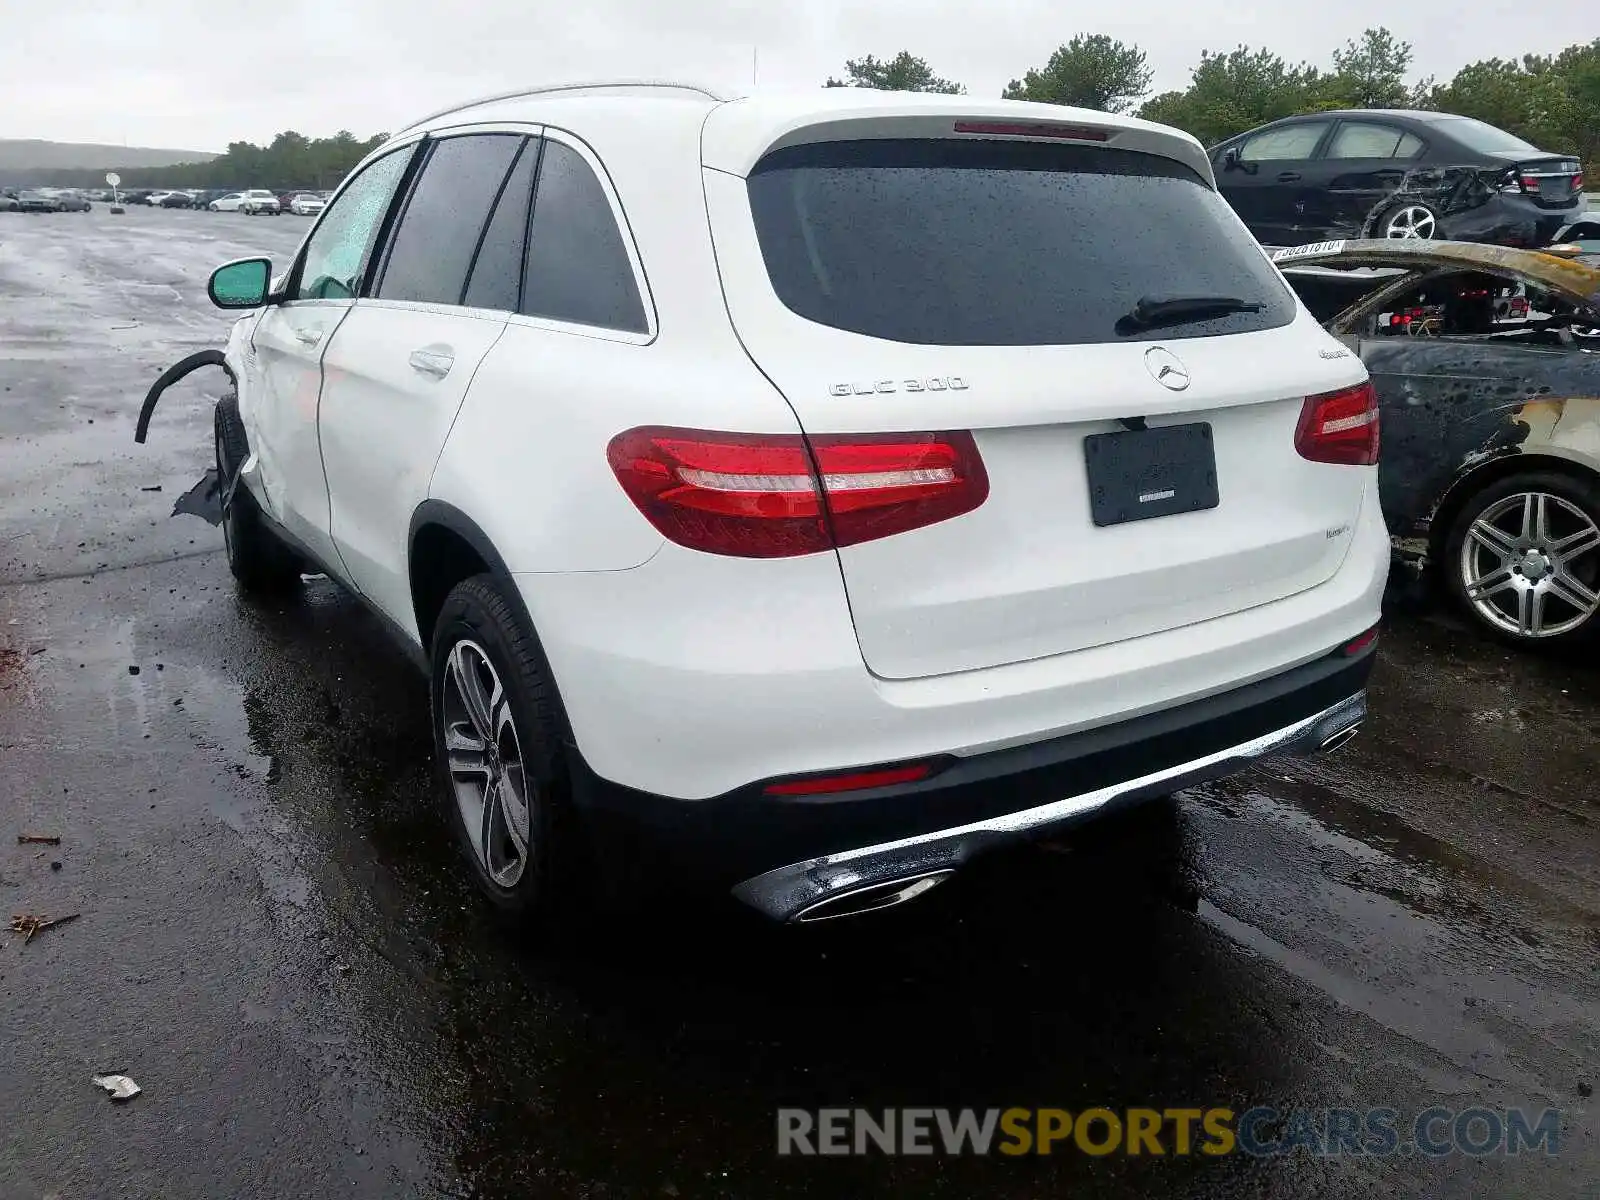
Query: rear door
(400, 364)
(288, 343)
(893, 286)
(1361, 165)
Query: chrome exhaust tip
(1331, 744)
(874, 897)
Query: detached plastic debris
(120, 1087)
(203, 500)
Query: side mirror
(242, 284)
(1230, 159)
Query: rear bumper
(1510, 220)
(786, 855)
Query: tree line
(1552, 100)
(290, 160)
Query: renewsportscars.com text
(1261, 1132)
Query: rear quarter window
(945, 242)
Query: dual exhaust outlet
(876, 897)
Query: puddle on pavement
(1380, 917)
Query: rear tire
(1522, 560)
(258, 559)
(1408, 219)
(497, 732)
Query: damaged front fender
(178, 370)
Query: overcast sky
(197, 74)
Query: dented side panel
(1448, 407)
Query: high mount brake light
(779, 495)
(1340, 427)
(1076, 133)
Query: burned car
(1395, 173)
(1486, 361)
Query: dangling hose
(204, 358)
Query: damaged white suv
(807, 493)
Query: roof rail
(590, 86)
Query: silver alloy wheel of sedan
(1410, 221)
(1523, 564)
(486, 765)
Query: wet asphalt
(275, 940)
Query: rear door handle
(1288, 176)
(308, 337)
(436, 363)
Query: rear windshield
(984, 243)
(1483, 137)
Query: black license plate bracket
(1145, 473)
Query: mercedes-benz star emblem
(1165, 368)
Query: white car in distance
(306, 204)
(259, 201)
(788, 490)
(229, 203)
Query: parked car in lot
(32, 200)
(1394, 173)
(72, 200)
(8, 202)
(229, 202)
(1491, 426)
(259, 201)
(729, 542)
(306, 204)
(177, 200)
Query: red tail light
(776, 495)
(1340, 427)
(1357, 644)
(1577, 182)
(851, 781)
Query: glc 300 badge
(939, 383)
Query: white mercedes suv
(802, 494)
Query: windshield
(961, 243)
(1485, 138)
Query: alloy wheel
(1412, 221)
(1530, 565)
(485, 764)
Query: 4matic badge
(939, 383)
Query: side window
(336, 255)
(578, 268)
(497, 270)
(1362, 139)
(433, 245)
(1286, 143)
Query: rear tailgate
(976, 285)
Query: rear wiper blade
(1153, 311)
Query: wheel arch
(445, 546)
(1491, 471)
